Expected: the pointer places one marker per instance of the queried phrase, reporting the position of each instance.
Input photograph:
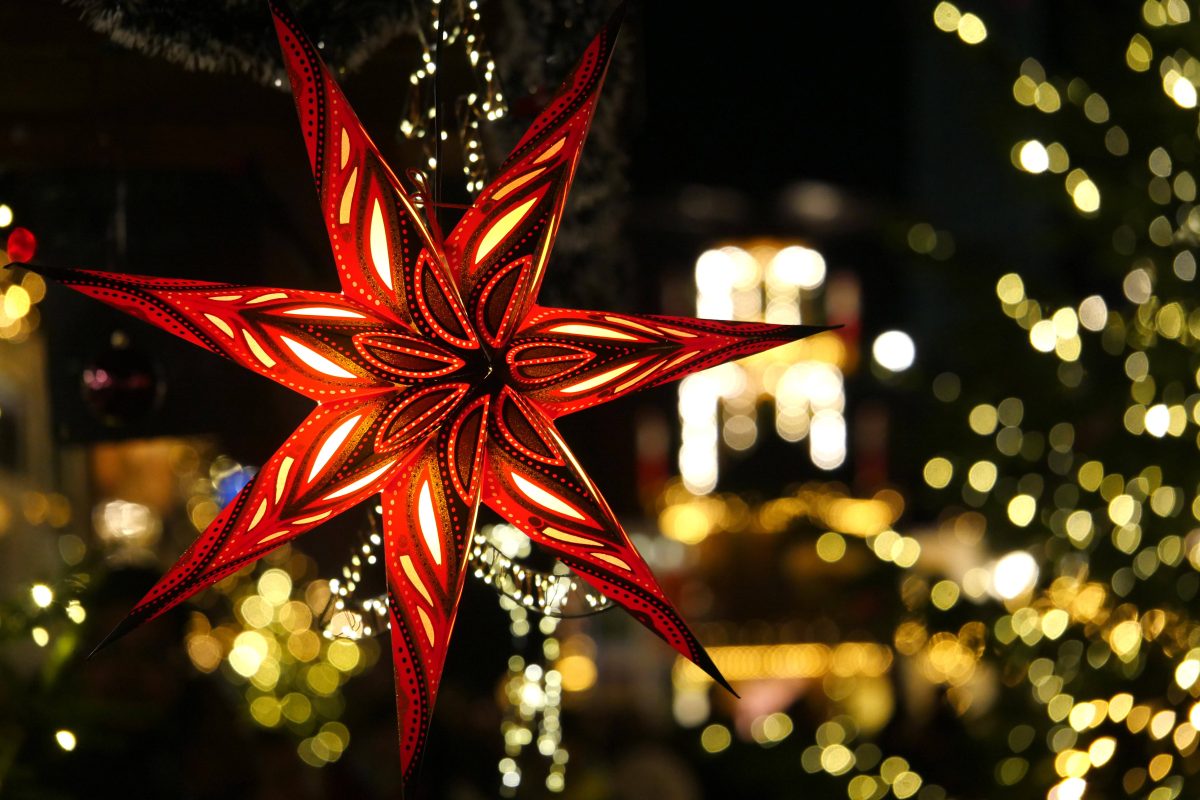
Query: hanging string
(447, 23)
(437, 111)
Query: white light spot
(802, 267)
(1158, 420)
(427, 519)
(324, 311)
(42, 595)
(1014, 574)
(379, 246)
(593, 331)
(360, 483)
(315, 360)
(502, 228)
(1034, 157)
(331, 445)
(543, 498)
(598, 380)
(894, 351)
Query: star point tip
(124, 627)
(798, 332)
(706, 663)
(724, 684)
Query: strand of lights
(496, 553)
(533, 692)
(494, 558)
(763, 282)
(485, 103)
(533, 703)
(347, 616)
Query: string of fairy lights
(452, 23)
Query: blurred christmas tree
(1043, 637)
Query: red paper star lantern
(437, 378)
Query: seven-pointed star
(437, 378)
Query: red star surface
(437, 378)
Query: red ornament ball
(21, 244)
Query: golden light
(66, 739)
(343, 654)
(1125, 639)
(1010, 289)
(1093, 313)
(6, 215)
(1139, 55)
(837, 759)
(689, 523)
(946, 16)
(1021, 510)
(982, 476)
(1102, 750)
(578, 672)
(787, 661)
(831, 546)
(971, 29)
(1069, 789)
(1042, 336)
(16, 302)
(1086, 196)
(938, 472)
(715, 738)
(1187, 672)
(76, 612)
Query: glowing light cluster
(691, 519)
(763, 282)
(291, 676)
